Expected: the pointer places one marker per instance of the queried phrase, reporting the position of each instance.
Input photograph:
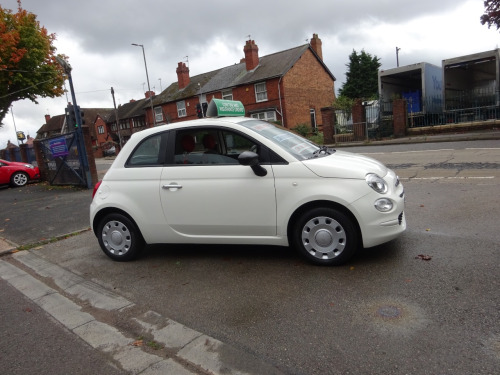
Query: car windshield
(296, 145)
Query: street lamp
(147, 79)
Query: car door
(4, 173)
(206, 192)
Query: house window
(260, 92)
(227, 94)
(266, 116)
(314, 126)
(138, 122)
(181, 109)
(123, 125)
(100, 129)
(159, 114)
(113, 127)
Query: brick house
(289, 87)
(131, 116)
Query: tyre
(325, 236)
(119, 237)
(19, 179)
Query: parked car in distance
(17, 174)
(239, 180)
(110, 151)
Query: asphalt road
(426, 303)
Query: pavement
(79, 306)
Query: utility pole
(116, 119)
(397, 56)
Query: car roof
(208, 121)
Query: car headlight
(383, 204)
(376, 182)
(29, 166)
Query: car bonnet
(343, 164)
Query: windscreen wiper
(323, 150)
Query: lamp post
(397, 56)
(147, 79)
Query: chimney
(251, 55)
(182, 75)
(149, 94)
(47, 118)
(316, 46)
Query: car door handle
(172, 186)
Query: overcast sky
(96, 35)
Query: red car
(17, 174)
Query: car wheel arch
(112, 210)
(321, 204)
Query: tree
(491, 14)
(361, 77)
(28, 68)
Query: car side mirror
(252, 160)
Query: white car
(238, 180)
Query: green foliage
(317, 138)
(343, 103)
(302, 129)
(361, 76)
(491, 16)
(28, 68)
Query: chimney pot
(251, 55)
(182, 75)
(316, 46)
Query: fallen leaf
(351, 268)
(423, 257)
(428, 230)
(138, 343)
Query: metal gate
(63, 162)
(374, 126)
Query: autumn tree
(491, 14)
(361, 76)
(28, 68)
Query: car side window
(147, 153)
(208, 146)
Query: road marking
(448, 178)
(420, 151)
(485, 148)
(406, 152)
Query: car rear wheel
(325, 236)
(19, 179)
(119, 237)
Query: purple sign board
(58, 147)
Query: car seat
(187, 144)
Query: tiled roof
(54, 124)
(270, 66)
(129, 110)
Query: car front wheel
(19, 179)
(119, 237)
(325, 236)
